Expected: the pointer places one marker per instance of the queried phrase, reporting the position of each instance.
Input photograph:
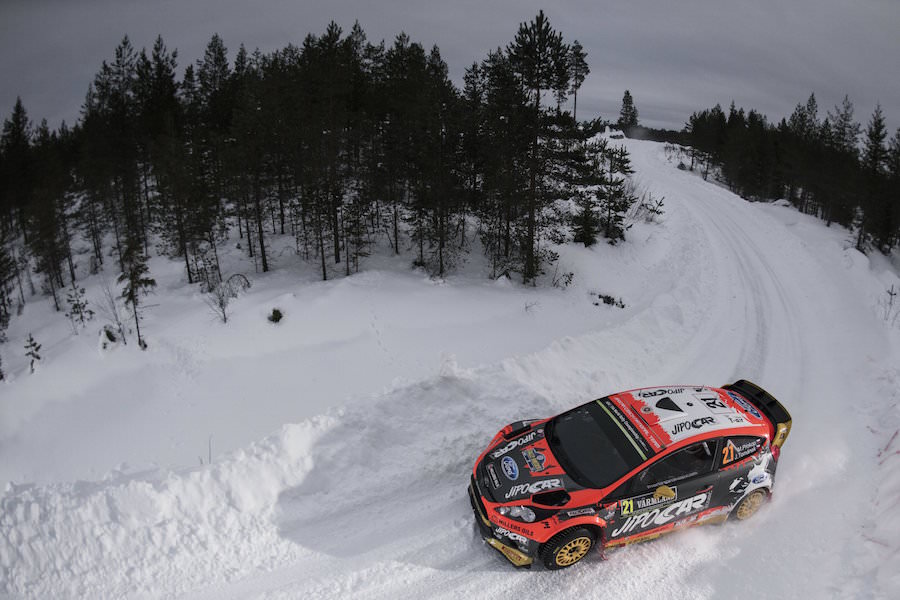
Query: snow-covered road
(369, 501)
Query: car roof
(666, 416)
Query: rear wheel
(748, 507)
(567, 548)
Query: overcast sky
(675, 57)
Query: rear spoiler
(767, 405)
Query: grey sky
(675, 57)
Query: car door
(665, 493)
(745, 464)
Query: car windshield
(591, 446)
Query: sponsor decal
(510, 468)
(580, 511)
(526, 439)
(738, 486)
(495, 481)
(534, 460)
(636, 439)
(516, 537)
(736, 419)
(657, 517)
(668, 404)
(731, 453)
(759, 479)
(533, 488)
(695, 424)
(660, 392)
(745, 405)
(513, 526)
(661, 495)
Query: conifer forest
(352, 147)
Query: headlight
(519, 513)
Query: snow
(343, 437)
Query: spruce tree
(137, 282)
(628, 115)
(78, 306)
(617, 198)
(845, 131)
(876, 217)
(18, 164)
(586, 162)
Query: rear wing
(767, 405)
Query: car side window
(694, 460)
(737, 447)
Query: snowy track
(369, 501)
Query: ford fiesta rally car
(626, 468)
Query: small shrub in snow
(564, 279)
(275, 316)
(607, 299)
(109, 338)
(31, 351)
(79, 313)
(647, 208)
(109, 308)
(218, 300)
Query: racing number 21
(727, 453)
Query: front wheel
(750, 504)
(567, 548)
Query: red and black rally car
(626, 468)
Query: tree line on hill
(817, 164)
(342, 144)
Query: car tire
(749, 505)
(567, 548)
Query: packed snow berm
(342, 438)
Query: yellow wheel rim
(573, 551)
(749, 506)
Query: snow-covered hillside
(343, 437)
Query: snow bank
(153, 531)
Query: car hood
(522, 466)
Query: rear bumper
(514, 555)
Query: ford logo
(510, 469)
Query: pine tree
(578, 71)
(628, 115)
(540, 59)
(31, 351)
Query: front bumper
(514, 555)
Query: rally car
(625, 468)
